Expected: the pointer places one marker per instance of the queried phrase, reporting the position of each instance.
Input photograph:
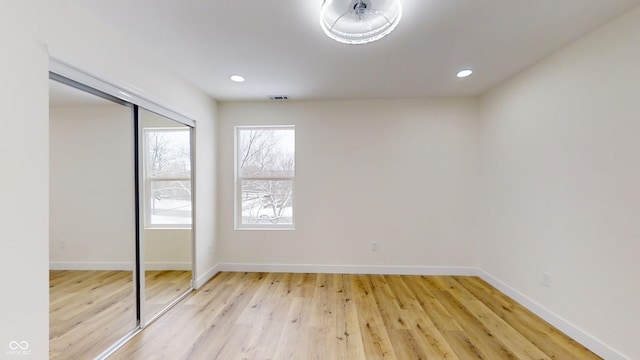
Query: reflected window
(167, 174)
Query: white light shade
(236, 78)
(359, 21)
(464, 73)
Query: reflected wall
(92, 223)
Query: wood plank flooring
(95, 304)
(335, 316)
(91, 310)
(163, 287)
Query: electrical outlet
(374, 246)
(546, 279)
(210, 249)
(61, 244)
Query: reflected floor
(163, 287)
(91, 310)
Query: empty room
(346, 179)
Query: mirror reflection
(92, 223)
(167, 207)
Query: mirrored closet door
(92, 223)
(121, 214)
(167, 205)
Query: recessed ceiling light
(464, 73)
(237, 78)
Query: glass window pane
(267, 202)
(170, 202)
(266, 152)
(168, 153)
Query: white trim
(113, 87)
(148, 180)
(352, 269)
(86, 265)
(237, 187)
(579, 335)
(103, 265)
(197, 283)
(265, 127)
(571, 330)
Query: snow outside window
(167, 175)
(265, 177)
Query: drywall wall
(92, 195)
(24, 188)
(100, 49)
(561, 185)
(396, 172)
(29, 30)
(167, 249)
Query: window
(167, 175)
(265, 174)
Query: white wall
(92, 196)
(28, 30)
(397, 172)
(167, 249)
(92, 208)
(24, 214)
(561, 184)
(560, 174)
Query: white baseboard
(336, 269)
(579, 335)
(97, 265)
(197, 283)
(560, 323)
(352, 269)
(123, 266)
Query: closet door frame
(122, 93)
(116, 89)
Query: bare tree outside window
(266, 169)
(169, 152)
(168, 177)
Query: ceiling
(279, 47)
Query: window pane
(266, 152)
(168, 153)
(170, 202)
(267, 202)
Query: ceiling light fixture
(464, 73)
(359, 21)
(237, 78)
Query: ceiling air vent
(279, 97)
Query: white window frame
(149, 179)
(239, 179)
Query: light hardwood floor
(91, 310)
(332, 316)
(163, 287)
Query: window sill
(265, 228)
(167, 228)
